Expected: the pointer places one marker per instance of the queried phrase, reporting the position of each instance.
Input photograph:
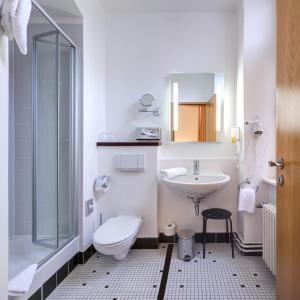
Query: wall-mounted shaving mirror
(197, 105)
(147, 100)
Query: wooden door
(288, 148)
(211, 116)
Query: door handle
(277, 163)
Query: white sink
(199, 186)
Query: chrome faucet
(196, 167)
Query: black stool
(217, 214)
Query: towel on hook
(15, 18)
(173, 172)
(247, 200)
(9, 9)
(1, 5)
(21, 283)
(1, 28)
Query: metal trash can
(186, 245)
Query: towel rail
(247, 181)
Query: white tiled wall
(22, 100)
(11, 162)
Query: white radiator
(269, 236)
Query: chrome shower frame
(74, 132)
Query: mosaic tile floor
(218, 276)
(102, 277)
(139, 277)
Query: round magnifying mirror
(147, 100)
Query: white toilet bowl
(117, 235)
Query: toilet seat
(116, 231)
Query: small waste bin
(186, 245)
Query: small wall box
(130, 162)
(147, 133)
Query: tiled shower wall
(20, 144)
(11, 152)
(23, 143)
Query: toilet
(117, 235)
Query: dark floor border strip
(164, 278)
(247, 244)
(211, 237)
(145, 243)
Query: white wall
(4, 165)
(130, 193)
(93, 105)
(256, 88)
(259, 60)
(143, 49)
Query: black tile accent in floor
(164, 278)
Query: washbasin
(199, 186)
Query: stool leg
(231, 238)
(227, 233)
(204, 235)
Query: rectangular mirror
(197, 106)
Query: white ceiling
(156, 6)
(65, 9)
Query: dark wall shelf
(128, 144)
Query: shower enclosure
(44, 153)
(53, 139)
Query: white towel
(1, 5)
(15, 18)
(247, 200)
(21, 283)
(9, 9)
(173, 172)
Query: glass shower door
(53, 134)
(66, 221)
(45, 139)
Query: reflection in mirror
(197, 105)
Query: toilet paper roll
(170, 229)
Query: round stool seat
(216, 213)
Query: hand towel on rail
(247, 200)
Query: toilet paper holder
(101, 183)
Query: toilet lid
(116, 230)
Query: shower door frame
(73, 133)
